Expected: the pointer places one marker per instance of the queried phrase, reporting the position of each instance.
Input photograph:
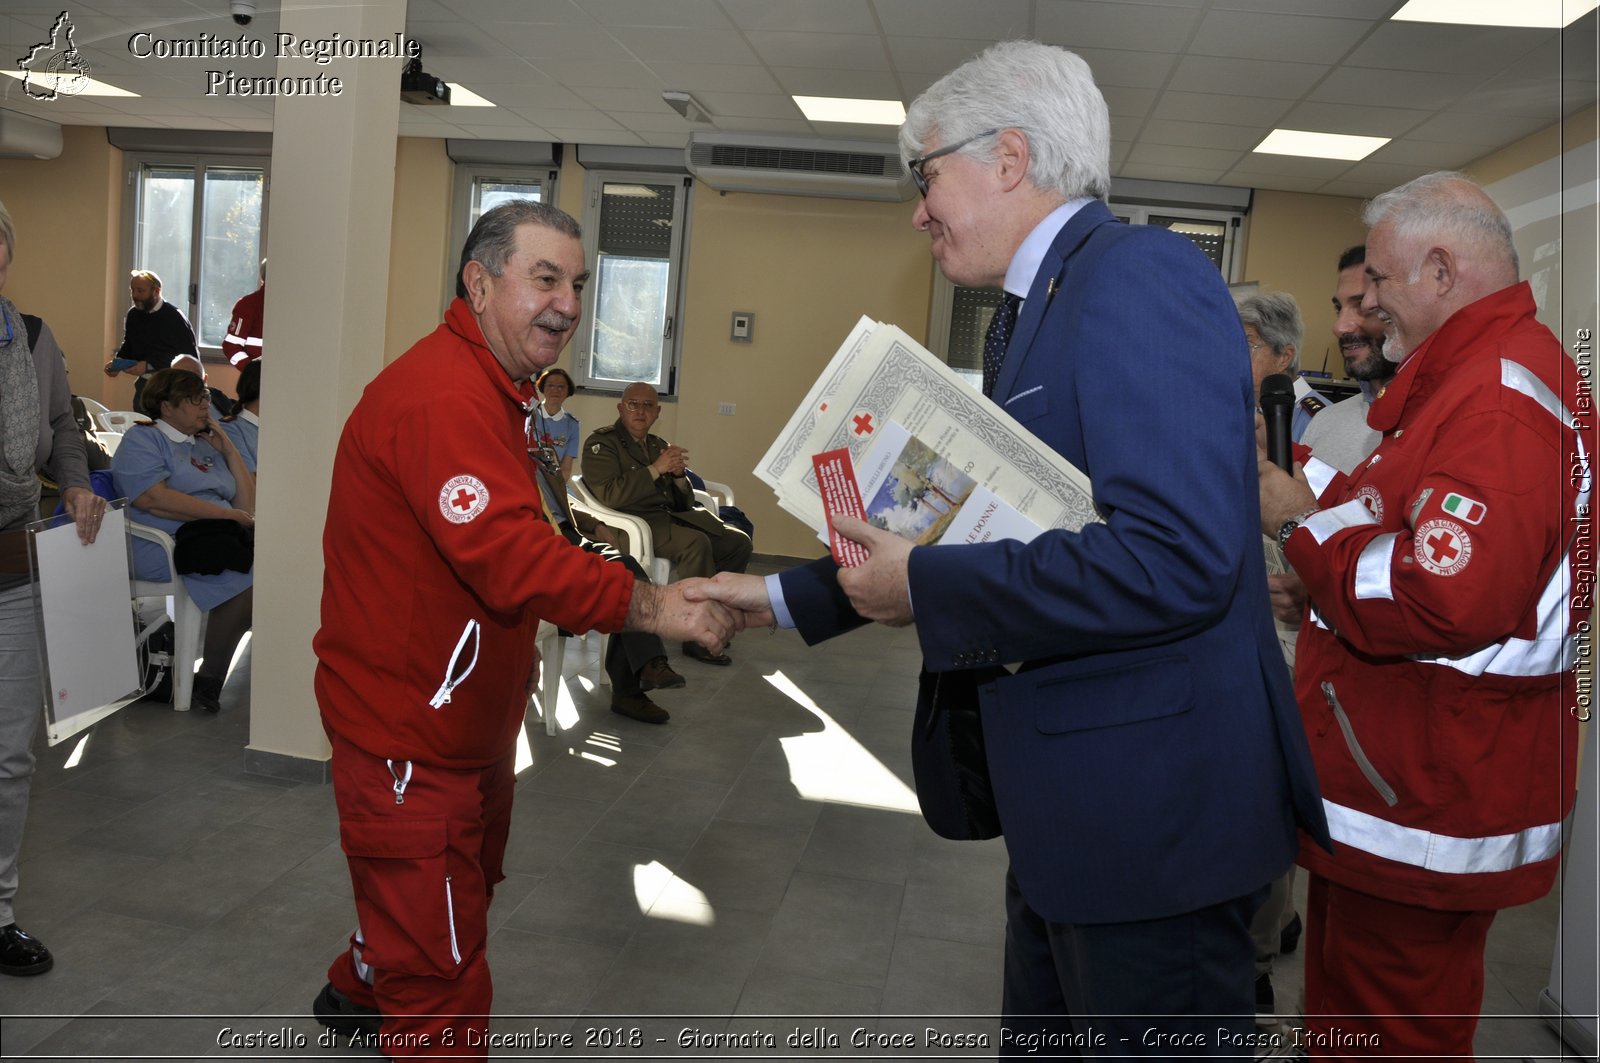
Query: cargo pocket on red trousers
(403, 893)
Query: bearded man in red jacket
(1436, 668)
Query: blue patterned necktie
(995, 340)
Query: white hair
(1045, 91)
(1446, 204)
(1276, 317)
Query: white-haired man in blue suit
(1147, 760)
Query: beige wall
(68, 212)
(1532, 150)
(1293, 246)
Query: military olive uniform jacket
(617, 470)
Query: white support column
(330, 206)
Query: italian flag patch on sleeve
(1463, 508)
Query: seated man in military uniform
(631, 470)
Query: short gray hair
(1276, 317)
(1445, 203)
(1047, 92)
(494, 238)
(8, 231)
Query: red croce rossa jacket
(440, 563)
(1447, 577)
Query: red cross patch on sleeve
(462, 498)
(1443, 547)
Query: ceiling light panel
(860, 112)
(1319, 145)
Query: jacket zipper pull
(441, 697)
(400, 781)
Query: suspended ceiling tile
(1293, 38)
(840, 16)
(997, 20)
(850, 51)
(1224, 110)
(1079, 24)
(1245, 77)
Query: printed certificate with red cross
(880, 376)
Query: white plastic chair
(640, 543)
(120, 421)
(92, 408)
(110, 440)
(187, 619)
(716, 494)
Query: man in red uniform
(242, 344)
(1436, 665)
(439, 567)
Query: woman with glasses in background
(180, 469)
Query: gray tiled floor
(759, 856)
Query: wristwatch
(1287, 528)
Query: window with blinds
(633, 235)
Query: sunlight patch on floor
(666, 896)
(830, 765)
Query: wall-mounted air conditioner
(799, 166)
(25, 137)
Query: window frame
(135, 164)
(677, 288)
(468, 175)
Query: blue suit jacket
(1147, 757)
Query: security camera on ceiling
(243, 11)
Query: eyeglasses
(634, 405)
(1254, 347)
(201, 399)
(915, 165)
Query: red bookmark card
(836, 480)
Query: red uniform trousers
(424, 870)
(1389, 979)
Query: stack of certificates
(934, 461)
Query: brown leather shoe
(700, 653)
(638, 707)
(658, 675)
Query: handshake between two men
(877, 588)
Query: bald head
(189, 364)
(638, 410)
(1436, 244)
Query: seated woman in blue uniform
(181, 469)
(243, 423)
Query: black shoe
(206, 695)
(658, 675)
(638, 707)
(1266, 1003)
(344, 1016)
(700, 653)
(1289, 939)
(21, 953)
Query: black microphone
(1277, 406)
